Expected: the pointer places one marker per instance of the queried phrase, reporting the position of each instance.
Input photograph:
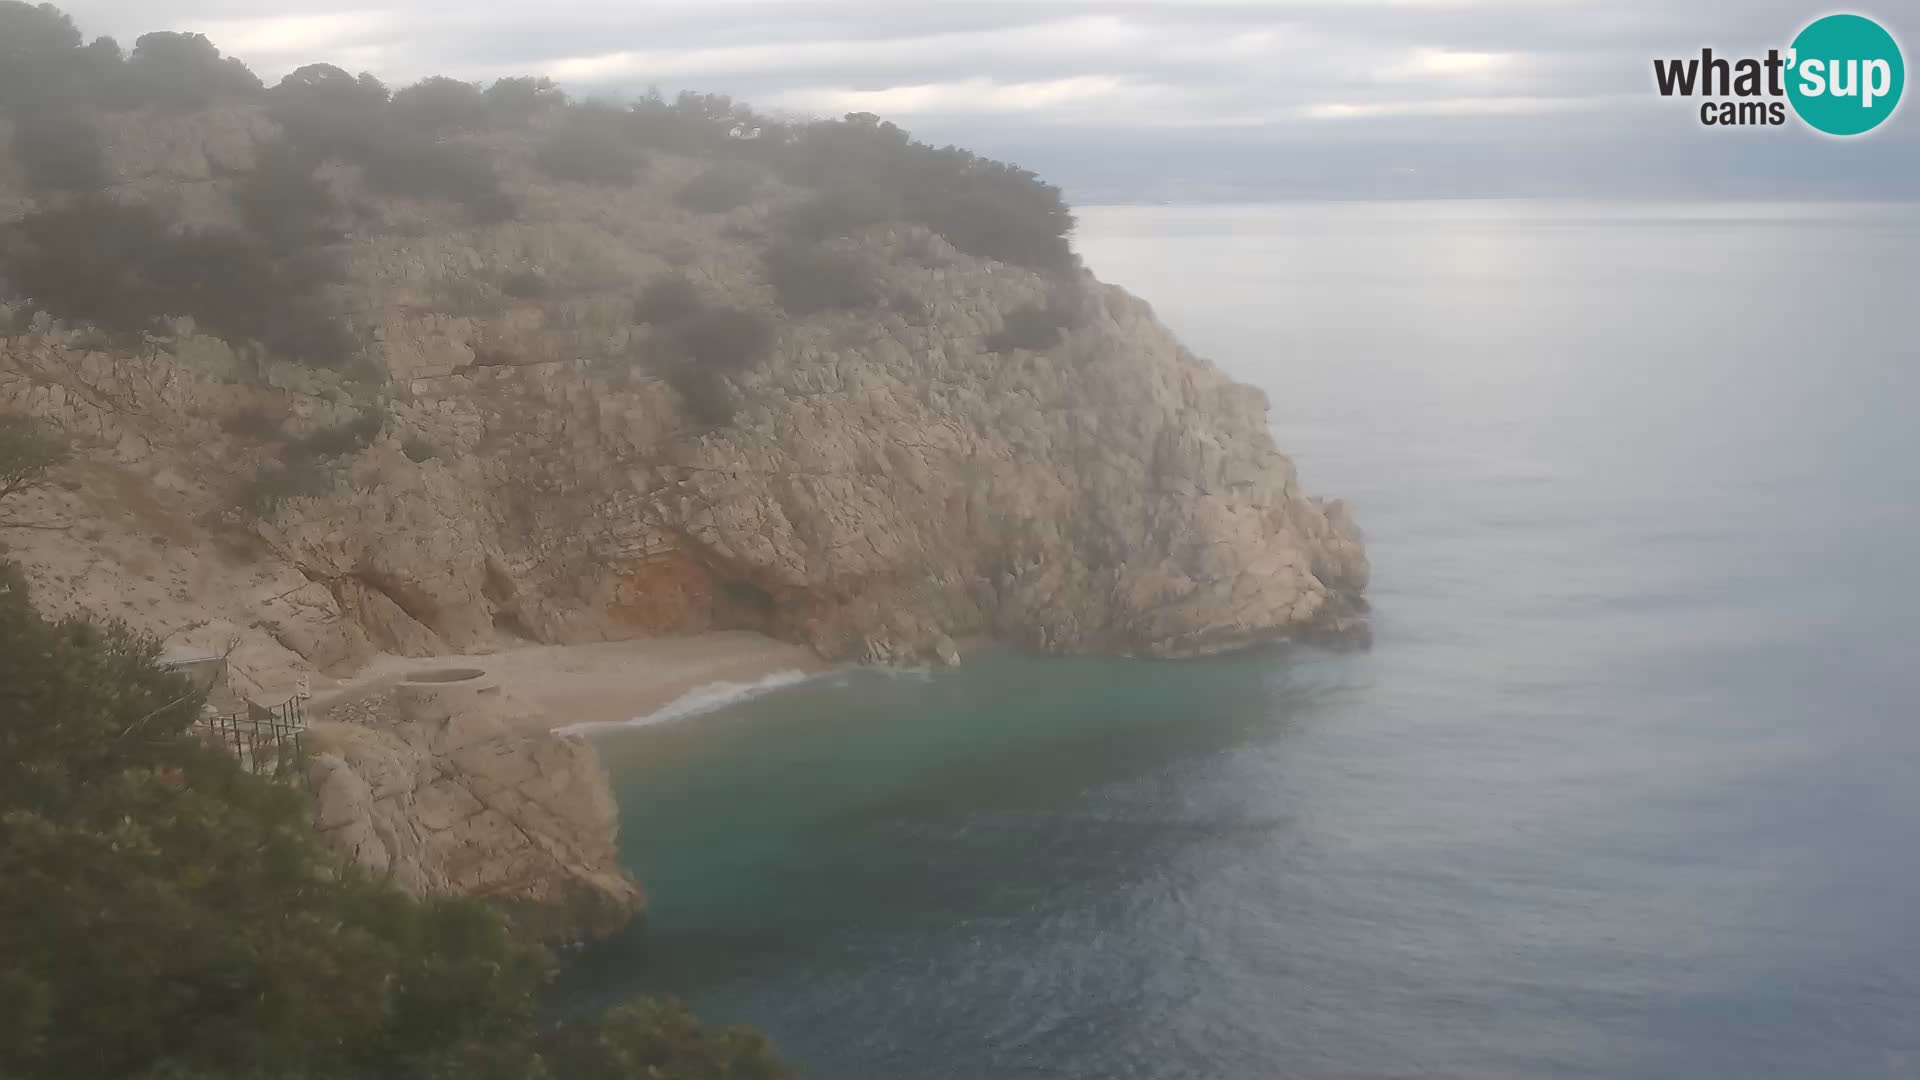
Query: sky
(1154, 99)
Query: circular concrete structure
(434, 694)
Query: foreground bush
(164, 913)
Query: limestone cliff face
(887, 482)
(429, 786)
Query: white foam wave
(702, 699)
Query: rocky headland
(613, 411)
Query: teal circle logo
(1846, 74)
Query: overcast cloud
(1149, 99)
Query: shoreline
(604, 684)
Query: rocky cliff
(888, 478)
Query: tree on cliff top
(183, 72)
(165, 913)
(35, 43)
(438, 103)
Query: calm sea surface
(1629, 784)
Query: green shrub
(33, 37)
(284, 204)
(45, 72)
(720, 188)
(692, 123)
(705, 392)
(298, 477)
(438, 104)
(29, 449)
(515, 101)
(419, 448)
(1031, 326)
(702, 344)
(809, 278)
(841, 211)
(983, 207)
(123, 268)
(590, 147)
(327, 113)
(400, 163)
(184, 73)
(667, 299)
(909, 307)
(348, 437)
(723, 338)
(60, 151)
(866, 170)
(660, 1039)
(308, 331)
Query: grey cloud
(1147, 97)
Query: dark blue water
(1626, 786)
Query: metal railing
(265, 738)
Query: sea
(1628, 784)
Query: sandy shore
(608, 682)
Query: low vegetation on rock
(125, 268)
(811, 278)
(589, 146)
(723, 187)
(28, 450)
(666, 300)
(128, 266)
(1032, 326)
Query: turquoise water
(1625, 786)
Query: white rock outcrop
(434, 788)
